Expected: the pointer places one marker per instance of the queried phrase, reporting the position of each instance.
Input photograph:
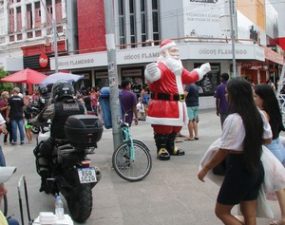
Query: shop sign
(101, 74)
(251, 65)
(132, 72)
(202, 18)
(189, 51)
(11, 64)
(76, 62)
(80, 61)
(43, 60)
(142, 56)
(273, 56)
(221, 51)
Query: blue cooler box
(104, 101)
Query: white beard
(175, 65)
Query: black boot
(172, 149)
(161, 144)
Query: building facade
(27, 33)
(279, 7)
(201, 30)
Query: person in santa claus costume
(167, 111)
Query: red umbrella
(28, 76)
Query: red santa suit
(167, 110)
(170, 112)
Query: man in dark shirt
(15, 115)
(128, 101)
(221, 100)
(192, 103)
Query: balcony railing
(31, 34)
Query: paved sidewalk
(170, 195)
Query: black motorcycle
(72, 175)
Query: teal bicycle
(132, 159)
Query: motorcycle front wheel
(80, 205)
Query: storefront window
(210, 81)
(85, 82)
(132, 23)
(122, 24)
(143, 23)
(101, 78)
(155, 21)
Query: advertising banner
(271, 20)
(202, 18)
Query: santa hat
(166, 44)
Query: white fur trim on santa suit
(180, 121)
(166, 44)
(177, 73)
(152, 73)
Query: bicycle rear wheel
(132, 170)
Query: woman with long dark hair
(241, 142)
(266, 100)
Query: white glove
(152, 72)
(203, 70)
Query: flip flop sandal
(163, 154)
(189, 139)
(178, 152)
(177, 140)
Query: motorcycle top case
(83, 130)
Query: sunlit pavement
(171, 194)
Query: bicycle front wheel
(132, 170)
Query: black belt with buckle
(167, 97)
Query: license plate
(87, 175)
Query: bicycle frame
(132, 159)
(128, 138)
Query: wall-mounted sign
(202, 18)
(11, 63)
(273, 56)
(134, 72)
(43, 60)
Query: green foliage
(3, 73)
(5, 86)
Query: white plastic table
(66, 221)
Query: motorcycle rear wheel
(80, 206)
